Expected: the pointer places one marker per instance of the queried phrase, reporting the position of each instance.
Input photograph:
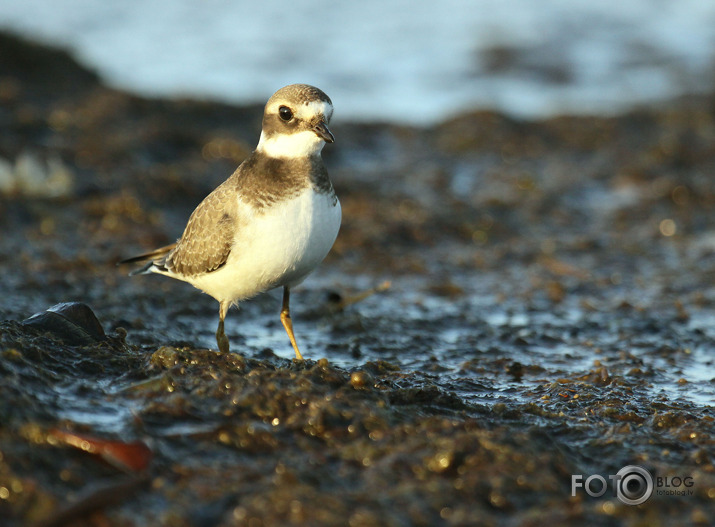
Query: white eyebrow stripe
(306, 111)
(313, 108)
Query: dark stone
(73, 322)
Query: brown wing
(208, 237)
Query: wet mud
(551, 313)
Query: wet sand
(551, 314)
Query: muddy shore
(551, 313)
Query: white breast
(276, 246)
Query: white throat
(300, 144)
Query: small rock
(360, 379)
(72, 322)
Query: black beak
(321, 129)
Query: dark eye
(285, 113)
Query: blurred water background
(396, 60)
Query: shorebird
(271, 222)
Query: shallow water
(395, 61)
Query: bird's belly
(275, 247)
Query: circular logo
(634, 485)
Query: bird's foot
(222, 344)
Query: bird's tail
(154, 257)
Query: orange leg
(288, 323)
